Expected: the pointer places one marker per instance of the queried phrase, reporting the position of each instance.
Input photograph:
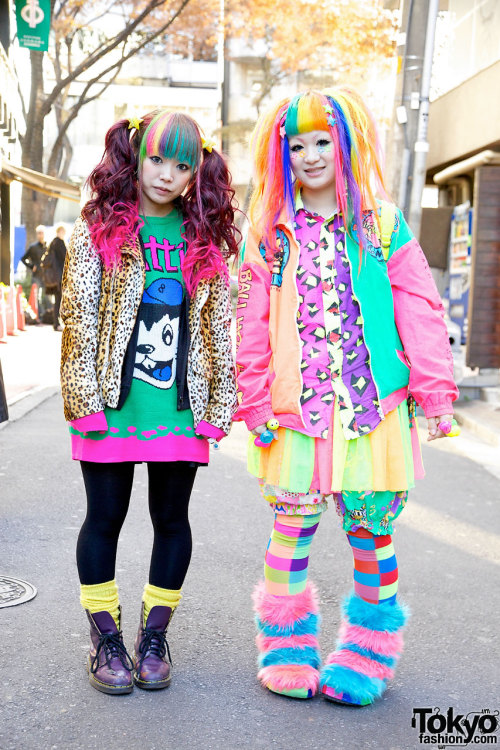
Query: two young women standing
(338, 324)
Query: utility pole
(411, 108)
(421, 146)
(224, 76)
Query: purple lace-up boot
(153, 665)
(108, 664)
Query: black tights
(108, 488)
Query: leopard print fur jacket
(99, 308)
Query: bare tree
(93, 58)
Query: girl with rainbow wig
(147, 372)
(340, 331)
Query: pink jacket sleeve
(420, 320)
(253, 349)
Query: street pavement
(448, 548)
(30, 365)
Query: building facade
(10, 149)
(464, 162)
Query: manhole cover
(14, 591)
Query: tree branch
(147, 40)
(68, 155)
(123, 36)
(36, 59)
(89, 22)
(60, 8)
(21, 95)
(64, 126)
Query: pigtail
(358, 147)
(111, 213)
(273, 188)
(209, 228)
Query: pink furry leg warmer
(368, 649)
(287, 640)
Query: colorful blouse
(335, 359)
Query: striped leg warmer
(287, 554)
(375, 566)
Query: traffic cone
(11, 312)
(33, 300)
(21, 322)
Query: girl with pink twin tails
(147, 371)
(340, 330)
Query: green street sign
(33, 24)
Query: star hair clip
(134, 123)
(329, 112)
(207, 144)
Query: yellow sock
(102, 597)
(156, 597)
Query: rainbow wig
(358, 173)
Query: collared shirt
(335, 359)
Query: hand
(259, 429)
(432, 426)
(200, 433)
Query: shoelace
(113, 647)
(153, 642)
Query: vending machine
(459, 266)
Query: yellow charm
(207, 144)
(134, 122)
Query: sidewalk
(30, 366)
(481, 418)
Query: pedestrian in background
(52, 264)
(31, 259)
(340, 328)
(147, 371)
